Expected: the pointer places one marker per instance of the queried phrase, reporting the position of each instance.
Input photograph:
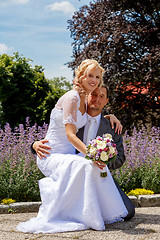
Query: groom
(95, 103)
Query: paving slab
(144, 226)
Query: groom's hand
(41, 149)
(114, 120)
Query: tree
(24, 91)
(60, 83)
(123, 35)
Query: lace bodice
(65, 111)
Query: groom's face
(97, 100)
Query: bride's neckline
(81, 113)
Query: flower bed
(19, 173)
(142, 166)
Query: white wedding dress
(74, 196)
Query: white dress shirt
(97, 118)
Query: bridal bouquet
(102, 149)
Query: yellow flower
(140, 191)
(7, 201)
(104, 156)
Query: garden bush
(19, 173)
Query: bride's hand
(114, 120)
(99, 164)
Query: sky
(37, 29)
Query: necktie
(91, 130)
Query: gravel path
(144, 226)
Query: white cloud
(64, 67)
(4, 48)
(64, 6)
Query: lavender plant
(19, 173)
(142, 166)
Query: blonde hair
(81, 71)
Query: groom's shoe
(131, 214)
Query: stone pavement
(144, 226)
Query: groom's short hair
(107, 89)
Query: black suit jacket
(105, 127)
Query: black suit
(105, 127)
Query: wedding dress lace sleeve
(69, 103)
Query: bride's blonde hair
(81, 71)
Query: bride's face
(91, 80)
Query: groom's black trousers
(129, 205)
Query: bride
(74, 196)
